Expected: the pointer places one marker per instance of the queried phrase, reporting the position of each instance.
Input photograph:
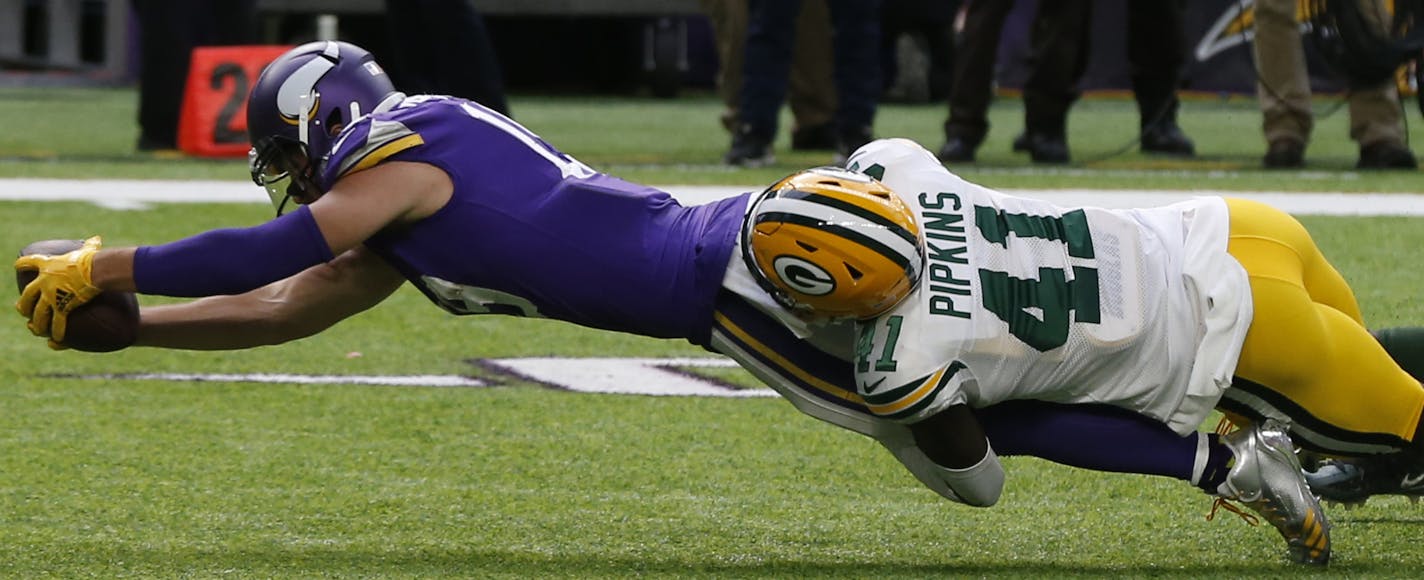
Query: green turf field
(146, 478)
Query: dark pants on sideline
(1058, 47)
(767, 66)
(442, 47)
(170, 29)
(1156, 56)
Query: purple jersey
(531, 231)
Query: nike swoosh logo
(1412, 481)
(864, 388)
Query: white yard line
(619, 376)
(138, 194)
(296, 379)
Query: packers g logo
(803, 276)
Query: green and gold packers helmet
(833, 243)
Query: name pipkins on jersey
(946, 254)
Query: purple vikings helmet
(299, 104)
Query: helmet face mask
(282, 168)
(828, 243)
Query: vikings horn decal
(1235, 26)
(297, 94)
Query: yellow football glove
(64, 282)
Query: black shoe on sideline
(957, 150)
(1386, 156)
(848, 141)
(1021, 143)
(1284, 154)
(1044, 148)
(1167, 139)
(749, 149)
(815, 138)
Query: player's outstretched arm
(239, 260)
(290, 309)
(233, 261)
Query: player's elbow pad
(978, 485)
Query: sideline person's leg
(1284, 85)
(812, 89)
(972, 88)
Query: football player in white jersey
(1167, 312)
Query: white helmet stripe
(834, 216)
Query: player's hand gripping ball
(64, 304)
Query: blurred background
(640, 86)
(652, 47)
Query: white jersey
(1021, 299)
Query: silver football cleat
(1267, 478)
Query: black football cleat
(1350, 482)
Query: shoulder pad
(367, 142)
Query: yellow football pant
(1308, 343)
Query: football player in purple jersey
(374, 189)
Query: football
(107, 323)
